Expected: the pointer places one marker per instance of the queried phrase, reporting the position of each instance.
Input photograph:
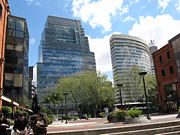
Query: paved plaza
(100, 123)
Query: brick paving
(96, 123)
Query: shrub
(6, 110)
(101, 114)
(111, 117)
(133, 113)
(49, 119)
(121, 115)
(117, 116)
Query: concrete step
(148, 131)
(170, 133)
(128, 128)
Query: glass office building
(126, 52)
(63, 51)
(16, 60)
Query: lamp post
(65, 95)
(119, 85)
(142, 74)
(61, 110)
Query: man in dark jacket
(3, 124)
(20, 125)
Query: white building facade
(127, 51)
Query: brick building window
(171, 69)
(168, 55)
(1, 10)
(160, 59)
(163, 72)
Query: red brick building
(4, 10)
(167, 69)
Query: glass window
(10, 47)
(171, 69)
(8, 76)
(20, 25)
(160, 59)
(11, 32)
(168, 55)
(18, 80)
(19, 60)
(19, 48)
(11, 23)
(19, 34)
(163, 72)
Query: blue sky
(148, 19)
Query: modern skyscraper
(126, 52)
(63, 51)
(16, 59)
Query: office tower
(126, 52)
(4, 11)
(167, 69)
(16, 60)
(63, 51)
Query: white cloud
(177, 5)
(32, 41)
(101, 48)
(163, 4)
(36, 2)
(98, 13)
(133, 2)
(128, 18)
(162, 28)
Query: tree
(88, 91)
(132, 84)
(52, 99)
(152, 91)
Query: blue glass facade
(63, 51)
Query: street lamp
(142, 74)
(65, 95)
(119, 85)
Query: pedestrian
(40, 126)
(4, 124)
(20, 125)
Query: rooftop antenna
(152, 42)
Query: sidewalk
(97, 123)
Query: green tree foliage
(52, 99)
(89, 92)
(151, 87)
(132, 84)
(6, 111)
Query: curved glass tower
(126, 52)
(63, 51)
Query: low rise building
(167, 69)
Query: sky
(157, 20)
